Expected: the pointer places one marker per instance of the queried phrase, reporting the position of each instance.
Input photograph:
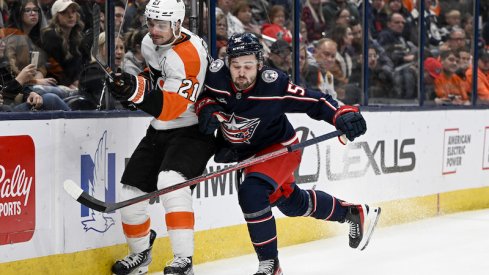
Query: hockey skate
(179, 266)
(269, 267)
(135, 263)
(362, 222)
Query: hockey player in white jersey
(173, 149)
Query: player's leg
(139, 177)
(186, 156)
(323, 206)
(261, 186)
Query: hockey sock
(253, 198)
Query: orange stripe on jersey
(173, 106)
(179, 220)
(136, 230)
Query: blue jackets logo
(98, 179)
(239, 129)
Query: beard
(243, 83)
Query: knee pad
(178, 200)
(136, 213)
(253, 194)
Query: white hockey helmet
(169, 10)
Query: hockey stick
(96, 34)
(84, 198)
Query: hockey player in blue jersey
(246, 102)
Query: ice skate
(179, 266)
(362, 222)
(135, 263)
(269, 267)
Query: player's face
(243, 71)
(160, 31)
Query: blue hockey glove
(208, 112)
(349, 120)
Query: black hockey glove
(127, 87)
(349, 120)
(208, 112)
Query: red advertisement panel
(17, 189)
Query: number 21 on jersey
(189, 89)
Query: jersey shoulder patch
(269, 76)
(216, 65)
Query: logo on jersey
(216, 65)
(269, 76)
(238, 129)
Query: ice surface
(446, 245)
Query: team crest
(216, 65)
(269, 76)
(237, 129)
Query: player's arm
(320, 106)
(209, 112)
(168, 100)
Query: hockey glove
(127, 87)
(349, 120)
(209, 115)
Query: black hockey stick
(84, 198)
(96, 34)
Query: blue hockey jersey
(255, 118)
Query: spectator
(348, 92)
(325, 55)
(380, 80)
(242, 11)
(482, 76)
(432, 70)
(16, 96)
(464, 63)
(61, 41)
(312, 16)
(280, 56)
(343, 18)
(133, 13)
(277, 29)
(332, 8)
(310, 75)
(378, 18)
(403, 55)
(92, 80)
(134, 62)
(449, 88)
(432, 34)
(221, 31)
(234, 24)
(120, 26)
(25, 27)
(410, 26)
(456, 40)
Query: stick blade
(82, 197)
(72, 189)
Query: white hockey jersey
(177, 71)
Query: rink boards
(413, 164)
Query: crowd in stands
(68, 77)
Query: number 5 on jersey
(295, 90)
(189, 89)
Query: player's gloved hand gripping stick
(84, 198)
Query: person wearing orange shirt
(449, 87)
(482, 76)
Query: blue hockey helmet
(244, 44)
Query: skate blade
(373, 218)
